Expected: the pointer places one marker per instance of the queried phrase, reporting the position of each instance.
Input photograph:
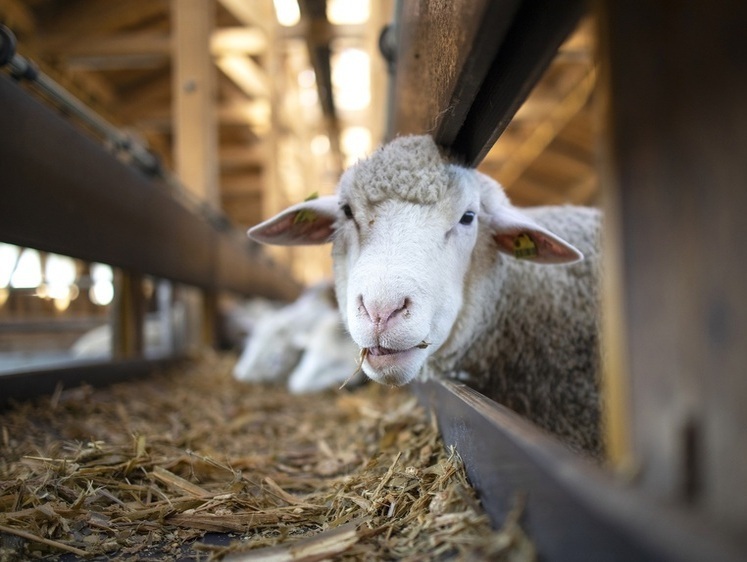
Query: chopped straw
(146, 468)
(358, 367)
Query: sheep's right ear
(307, 223)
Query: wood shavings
(144, 469)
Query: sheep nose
(381, 312)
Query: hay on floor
(146, 468)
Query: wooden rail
(463, 68)
(64, 193)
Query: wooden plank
(128, 316)
(573, 510)
(241, 184)
(25, 385)
(147, 42)
(444, 50)
(537, 31)
(256, 13)
(139, 103)
(546, 130)
(66, 194)
(677, 122)
(464, 68)
(101, 18)
(154, 44)
(249, 41)
(241, 156)
(194, 87)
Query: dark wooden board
(64, 193)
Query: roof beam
(147, 49)
(546, 130)
(249, 13)
(92, 19)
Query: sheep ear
(519, 236)
(307, 223)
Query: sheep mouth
(378, 350)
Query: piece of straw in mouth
(361, 359)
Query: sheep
(303, 343)
(437, 274)
(238, 318)
(329, 358)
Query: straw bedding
(191, 465)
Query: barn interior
(140, 140)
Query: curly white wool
(426, 250)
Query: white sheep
(437, 273)
(329, 358)
(304, 343)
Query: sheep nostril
(380, 313)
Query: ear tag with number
(524, 247)
(306, 215)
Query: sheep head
(404, 227)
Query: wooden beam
(156, 43)
(239, 184)
(128, 316)
(249, 41)
(143, 49)
(237, 156)
(100, 93)
(571, 509)
(250, 112)
(37, 382)
(158, 115)
(256, 13)
(246, 74)
(538, 30)
(138, 101)
(92, 19)
(66, 194)
(546, 130)
(19, 18)
(675, 173)
(194, 87)
(246, 212)
(444, 51)
(555, 167)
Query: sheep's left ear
(307, 223)
(521, 237)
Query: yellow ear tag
(306, 215)
(524, 247)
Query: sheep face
(404, 227)
(399, 270)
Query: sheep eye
(467, 218)
(348, 211)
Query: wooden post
(677, 122)
(195, 122)
(128, 316)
